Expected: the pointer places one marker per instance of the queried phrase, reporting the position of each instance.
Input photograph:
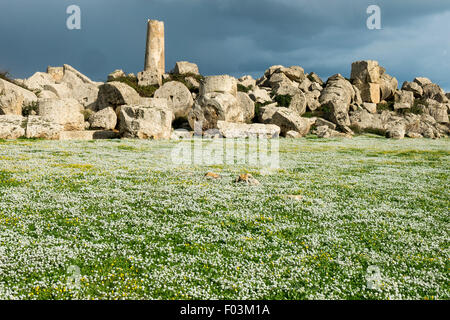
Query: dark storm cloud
(229, 36)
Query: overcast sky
(234, 37)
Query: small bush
(326, 111)
(242, 88)
(28, 109)
(416, 109)
(382, 106)
(283, 100)
(86, 114)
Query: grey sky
(229, 36)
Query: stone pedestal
(154, 54)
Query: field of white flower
(136, 226)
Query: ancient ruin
(62, 103)
(154, 50)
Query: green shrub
(415, 107)
(86, 114)
(385, 106)
(242, 88)
(283, 100)
(28, 109)
(326, 111)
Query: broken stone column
(154, 54)
(366, 76)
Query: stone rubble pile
(62, 103)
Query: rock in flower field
(115, 219)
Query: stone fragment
(247, 81)
(395, 131)
(39, 127)
(113, 94)
(414, 87)
(7, 87)
(179, 98)
(145, 123)
(366, 76)
(212, 107)
(288, 119)
(212, 175)
(371, 107)
(82, 89)
(260, 95)
(298, 103)
(403, 99)
(433, 91)
(116, 74)
(57, 73)
(38, 80)
(243, 130)
(219, 84)
(422, 81)
(12, 126)
(11, 103)
(184, 67)
(313, 77)
(322, 122)
(388, 86)
(149, 78)
(66, 112)
(294, 73)
(293, 134)
(104, 119)
(154, 51)
(248, 179)
(247, 106)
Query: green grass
(140, 227)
